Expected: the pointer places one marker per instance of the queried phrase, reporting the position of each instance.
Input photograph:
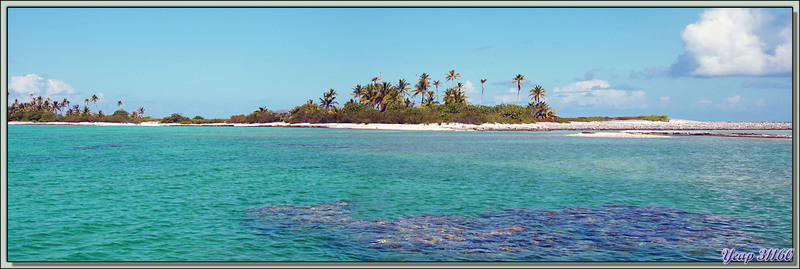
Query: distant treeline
(46, 110)
(353, 112)
(376, 102)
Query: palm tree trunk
(481, 95)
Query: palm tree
(541, 110)
(422, 86)
(482, 82)
(64, 103)
(425, 77)
(551, 114)
(402, 87)
(328, 98)
(376, 94)
(518, 79)
(140, 112)
(537, 94)
(119, 104)
(370, 93)
(419, 89)
(430, 98)
(437, 83)
(452, 75)
(358, 92)
(455, 95)
(448, 95)
(408, 102)
(39, 102)
(459, 86)
(384, 96)
(460, 97)
(94, 100)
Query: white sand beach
(614, 125)
(619, 135)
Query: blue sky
(687, 63)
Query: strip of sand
(614, 125)
(620, 135)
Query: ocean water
(97, 193)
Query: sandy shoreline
(615, 125)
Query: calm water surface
(93, 193)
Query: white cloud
(664, 101)
(469, 88)
(26, 84)
(737, 41)
(511, 98)
(57, 87)
(619, 98)
(705, 102)
(585, 85)
(506, 99)
(584, 93)
(760, 102)
(732, 100)
(473, 95)
(35, 84)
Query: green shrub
(656, 118)
(121, 113)
(353, 108)
(206, 121)
(511, 111)
(469, 117)
(176, 118)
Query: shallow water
(134, 193)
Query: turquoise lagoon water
(94, 193)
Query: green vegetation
(385, 102)
(375, 102)
(176, 118)
(41, 109)
(588, 119)
(262, 115)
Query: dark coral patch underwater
(608, 233)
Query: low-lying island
(631, 128)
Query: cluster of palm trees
(40, 103)
(541, 110)
(382, 94)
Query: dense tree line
(375, 102)
(46, 110)
(387, 102)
